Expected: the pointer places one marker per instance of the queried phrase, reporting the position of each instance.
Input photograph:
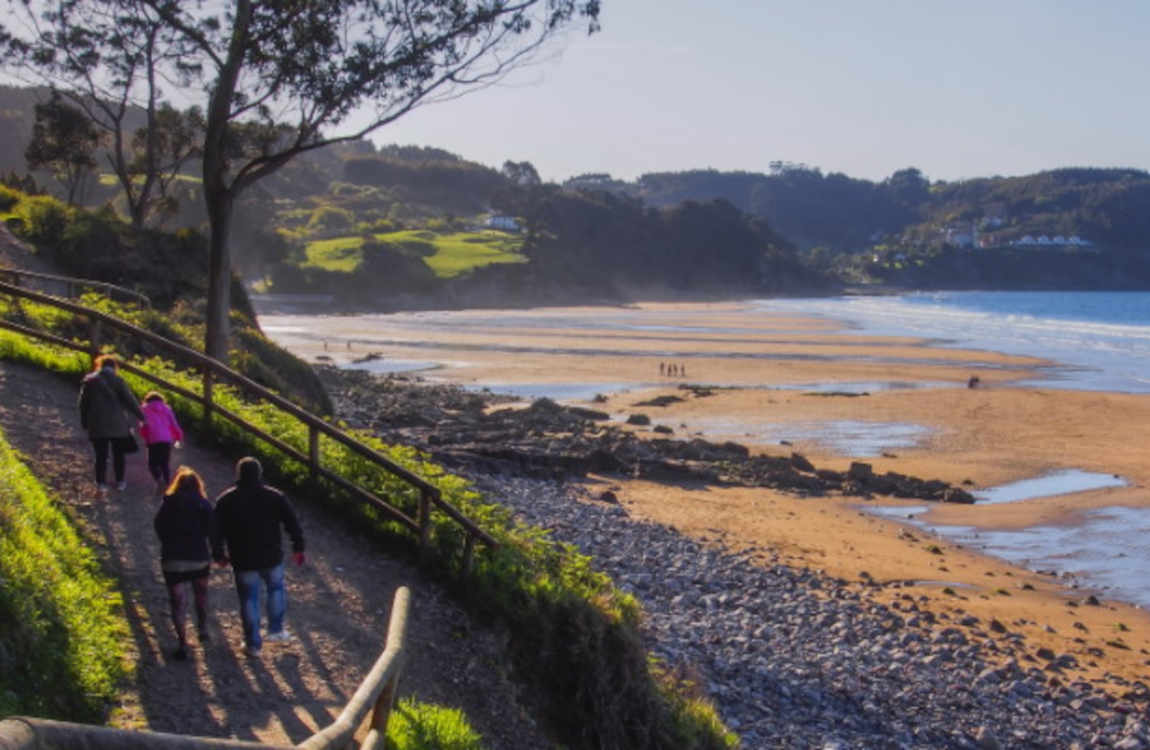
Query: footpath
(338, 604)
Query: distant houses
(1042, 240)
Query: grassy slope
(62, 630)
(455, 253)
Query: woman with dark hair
(184, 525)
(105, 402)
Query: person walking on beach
(160, 431)
(184, 525)
(249, 519)
(105, 401)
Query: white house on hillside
(504, 223)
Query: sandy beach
(786, 384)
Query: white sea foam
(1084, 332)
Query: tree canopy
(277, 78)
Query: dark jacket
(248, 519)
(184, 525)
(104, 397)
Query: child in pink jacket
(159, 430)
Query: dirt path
(338, 605)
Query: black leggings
(160, 462)
(101, 446)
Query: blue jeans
(249, 588)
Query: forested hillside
(420, 226)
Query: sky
(958, 89)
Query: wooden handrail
(213, 370)
(76, 281)
(375, 694)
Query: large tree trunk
(219, 196)
(219, 276)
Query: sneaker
(252, 652)
(101, 490)
(281, 637)
(121, 485)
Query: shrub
(330, 219)
(62, 644)
(426, 726)
(8, 197)
(44, 218)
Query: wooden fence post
(313, 449)
(207, 395)
(94, 335)
(424, 523)
(468, 554)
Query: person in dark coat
(184, 525)
(105, 404)
(250, 517)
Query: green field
(107, 179)
(448, 255)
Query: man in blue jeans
(249, 516)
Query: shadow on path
(337, 604)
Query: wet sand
(986, 436)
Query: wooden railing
(375, 694)
(213, 370)
(71, 284)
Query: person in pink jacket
(160, 430)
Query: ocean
(1098, 340)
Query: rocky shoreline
(790, 656)
(548, 440)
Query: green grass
(575, 634)
(338, 254)
(63, 634)
(454, 254)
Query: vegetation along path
(337, 605)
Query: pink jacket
(160, 425)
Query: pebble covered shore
(794, 658)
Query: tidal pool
(1105, 549)
(554, 391)
(1059, 483)
(386, 365)
(852, 438)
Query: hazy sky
(958, 89)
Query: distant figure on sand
(160, 431)
(662, 369)
(973, 382)
(184, 525)
(105, 403)
(249, 517)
